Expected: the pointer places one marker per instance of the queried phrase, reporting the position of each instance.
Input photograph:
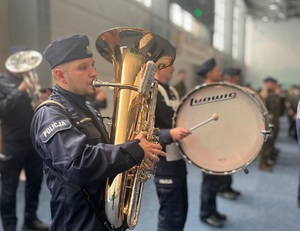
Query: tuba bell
(136, 54)
(24, 63)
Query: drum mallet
(213, 117)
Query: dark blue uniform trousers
(211, 185)
(22, 155)
(173, 199)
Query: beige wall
(25, 23)
(272, 49)
(92, 17)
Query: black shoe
(270, 162)
(35, 225)
(230, 195)
(214, 221)
(238, 193)
(221, 216)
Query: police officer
(211, 184)
(230, 75)
(16, 113)
(171, 172)
(71, 138)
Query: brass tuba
(136, 54)
(24, 63)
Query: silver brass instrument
(135, 55)
(24, 63)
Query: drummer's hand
(151, 150)
(179, 133)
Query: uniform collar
(73, 97)
(165, 86)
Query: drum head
(229, 143)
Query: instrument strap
(90, 108)
(53, 102)
(99, 212)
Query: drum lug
(266, 134)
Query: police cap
(231, 71)
(270, 80)
(67, 49)
(206, 67)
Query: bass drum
(231, 141)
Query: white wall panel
(273, 49)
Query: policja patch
(53, 128)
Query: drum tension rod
(246, 171)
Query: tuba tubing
(135, 55)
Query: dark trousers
(173, 200)
(226, 187)
(299, 190)
(21, 155)
(211, 185)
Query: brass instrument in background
(135, 54)
(25, 63)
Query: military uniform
(181, 88)
(268, 153)
(170, 178)
(16, 113)
(298, 135)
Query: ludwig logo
(213, 98)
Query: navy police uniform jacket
(170, 178)
(15, 109)
(78, 149)
(163, 121)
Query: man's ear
(59, 75)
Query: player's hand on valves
(151, 150)
(179, 133)
(23, 86)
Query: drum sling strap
(99, 212)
